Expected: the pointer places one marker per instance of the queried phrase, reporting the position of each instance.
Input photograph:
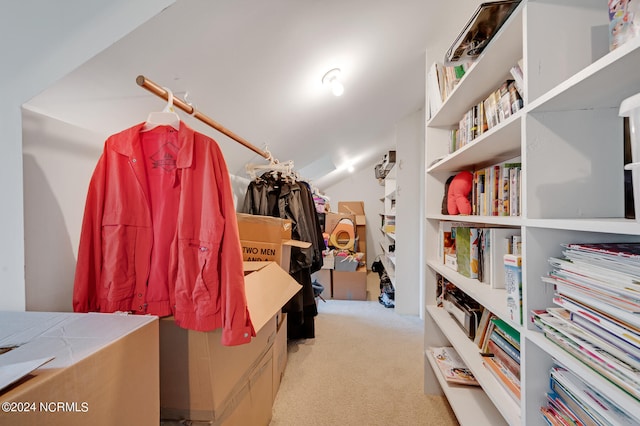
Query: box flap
(253, 266)
(351, 207)
(296, 243)
(268, 289)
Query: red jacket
(199, 252)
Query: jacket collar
(127, 143)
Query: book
(513, 286)
(504, 358)
(499, 241)
(451, 366)
(518, 78)
(504, 377)
(474, 247)
(508, 332)
(503, 344)
(598, 407)
(446, 244)
(463, 250)
(482, 327)
(514, 191)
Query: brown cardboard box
(253, 404)
(356, 208)
(332, 219)
(202, 380)
(104, 369)
(263, 228)
(350, 285)
(279, 355)
(265, 239)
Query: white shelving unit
(570, 141)
(388, 217)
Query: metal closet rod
(161, 92)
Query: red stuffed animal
(458, 194)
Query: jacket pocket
(118, 256)
(197, 286)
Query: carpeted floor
(365, 367)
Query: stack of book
(499, 344)
(597, 319)
(499, 105)
(476, 251)
(495, 190)
(571, 401)
(441, 80)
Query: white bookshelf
(569, 138)
(388, 215)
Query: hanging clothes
(277, 196)
(152, 243)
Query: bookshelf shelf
(499, 144)
(488, 220)
(595, 380)
(569, 139)
(504, 51)
(468, 351)
(473, 405)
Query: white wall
(58, 162)
(410, 214)
(363, 186)
(41, 41)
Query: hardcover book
(513, 285)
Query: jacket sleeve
(237, 327)
(89, 263)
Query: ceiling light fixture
(332, 78)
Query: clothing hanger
(166, 117)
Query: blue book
(505, 346)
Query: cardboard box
(104, 369)
(202, 380)
(350, 285)
(351, 207)
(279, 355)
(253, 405)
(263, 228)
(332, 219)
(356, 208)
(265, 239)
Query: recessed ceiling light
(332, 78)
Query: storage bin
(346, 263)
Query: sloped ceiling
(255, 66)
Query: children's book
(452, 367)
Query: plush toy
(458, 194)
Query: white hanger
(167, 117)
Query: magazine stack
(597, 321)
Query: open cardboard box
(202, 380)
(266, 238)
(104, 369)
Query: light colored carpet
(365, 367)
